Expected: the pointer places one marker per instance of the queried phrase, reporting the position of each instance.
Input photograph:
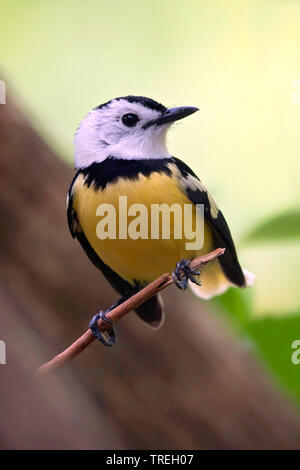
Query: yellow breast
(140, 260)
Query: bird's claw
(183, 273)
(111, 339)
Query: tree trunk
(195, 388)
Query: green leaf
(274, 337)
(283, 226)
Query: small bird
(121, 150)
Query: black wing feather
(221, 233)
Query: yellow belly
(140, 260)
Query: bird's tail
(214, 282)
(152, 311)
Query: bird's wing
(151, 311)
(196, 191)
(73, 223)
(119, 284)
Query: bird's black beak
(174, 114)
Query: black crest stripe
(143, 100)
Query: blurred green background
(239, 61)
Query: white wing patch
(193, 184)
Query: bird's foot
(183, 273)
(108, 338)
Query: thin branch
(120, 311)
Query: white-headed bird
(120, 150)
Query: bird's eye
(130, 119)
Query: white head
(132, 127)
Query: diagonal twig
(120, 311)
